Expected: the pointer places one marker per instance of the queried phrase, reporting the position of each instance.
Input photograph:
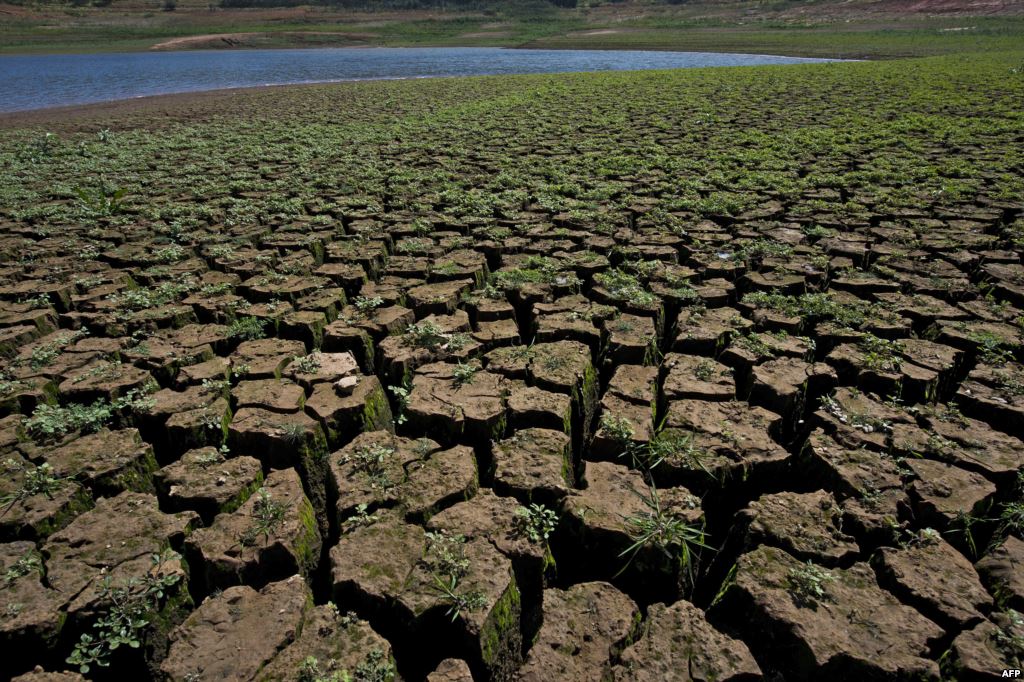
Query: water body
(39, 81)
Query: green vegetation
(51, 423)
(807, 584)
(247, 329)
(448, 564)
(36, 480)
(267, 515)
(372, 462)
(536, 522)
(667, 531)
(130, 607)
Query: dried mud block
(631, 339)
(696, 377)
(601, 520)
(981, 653)
(808, 526)
(265, 358)
(636, 384)
(967, 443)
(624, 425)
(995, 394)
(534, 465)
(317, 368)
(585, 627)
(447, 405)
(234, 634)
(438, 481)
(371, 470)
(106, 380)
(345, 412)
(733, 431)
(937, 580)
(451, 670)
(271, 536)
(785, 385)
(116, 540)
(332, 644)
(702, 331)
(108, 462)
(532, 407)
(456, 595)
(811, 622)
(941, 493)
(33, 512)
(678, 644)
(500, 520)
(31, 616)
(868, 484)
(274, 395)
(208, 483)
(857, 420)
(1002, 571)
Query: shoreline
(7, 116)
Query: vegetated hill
(765, 8)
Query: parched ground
(709, 374)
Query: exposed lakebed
(39, 81)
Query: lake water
(38, 81)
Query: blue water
(37, 81)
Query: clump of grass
(671, 534)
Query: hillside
(832, 28)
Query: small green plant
(623, 286)
(36, 480)
(247, 329)
(310, 671)
(293, 433)
(359, 519)
(704, 370)
(103, 200)
(458, 602)
(31, 562)
(376, 667)
(536, 523)
(619, 429)
(463, 374)
(169, 254)
(41, 148)
(365, 305)
(401, 394)
(881, 355)
(373, 462)
(1009, 637)
(129, 608)
(807, 584)
(447, 554)
(448, 564)
(309, 364)
(267, 515)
